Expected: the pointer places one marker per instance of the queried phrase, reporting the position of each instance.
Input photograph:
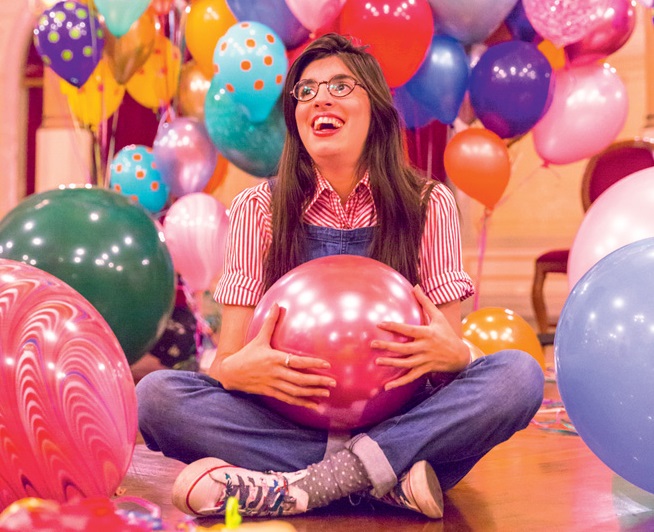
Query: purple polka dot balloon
(70, 41)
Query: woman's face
(333, 130)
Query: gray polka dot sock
(335, 477)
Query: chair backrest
(620, 159)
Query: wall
(541, 209)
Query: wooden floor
(541, 479)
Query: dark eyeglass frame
(335, 80)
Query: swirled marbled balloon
(67, 400)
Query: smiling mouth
(323, 123)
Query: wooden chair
(619, 160)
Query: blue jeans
(189, 416)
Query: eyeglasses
(339, 86)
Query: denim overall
(189, 416)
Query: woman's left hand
(434, 347)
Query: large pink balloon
(623, 214)
(563, 21)
(331, 307)
(67, 399)
(611, 31)
(315, 14)
(589, 108)
(195, 229)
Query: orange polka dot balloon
(250, 63)
(134, 174)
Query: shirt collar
(323, 185)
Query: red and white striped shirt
(250, 233)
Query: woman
(343, 178)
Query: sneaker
(203, 487)
(418, 490)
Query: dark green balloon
(106, 248)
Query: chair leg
(537, 300)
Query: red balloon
(67, 397)
(399, 33)
(331, 307)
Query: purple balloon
(511, 87)
(519, 26)
(611, 31)
(185, 155)
(70, 41)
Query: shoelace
(258, 498)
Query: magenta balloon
(195, 229)
(317, 13)
(185, 155)
(610, 32)
(67, 400)
(331, 307)
(623, 214)
(588, 111)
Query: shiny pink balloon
(589, 108)
(195, 229)
(315, 14)
(185, 155)
(67, 399)
(611, 30)
(563, 21)
(331, 307)
(623, 214)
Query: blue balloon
(274, 14)
(511, 87)
(252, 147)
(519, 26)
(414, 114)
(441, 81)
(604, 356)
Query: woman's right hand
(259, 369)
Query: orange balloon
(493, 329)
(218, 175)
(555, 56)
(193, 88)
(477, 161)
(155, 83)
(128, 53)
(97, 99)
(207, 21)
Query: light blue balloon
(134, 174)
(604, 355)
(119, 15)
(252, 147)
(250, 63)
(441, 82)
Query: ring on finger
(287, 362)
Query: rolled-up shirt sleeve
(441, 265)
(247, 243)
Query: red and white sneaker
(418, 490)
(203, 487)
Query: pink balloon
(610, 32)
(589, 108)
(195, 229)
(67, 399)
(331, 307)
(623, 214)
(563, 21)
(185, 155)
(315, 14)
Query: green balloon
(106, 248)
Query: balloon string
(112, 147)
(430, 156)
(482, 252)
(202, 326)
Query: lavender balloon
(185, 155)
(70, 41)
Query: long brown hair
(396, 186)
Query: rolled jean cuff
(380, 473)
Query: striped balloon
(67, 400)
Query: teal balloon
(253, 147)
(105, 247)
(119, 15)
